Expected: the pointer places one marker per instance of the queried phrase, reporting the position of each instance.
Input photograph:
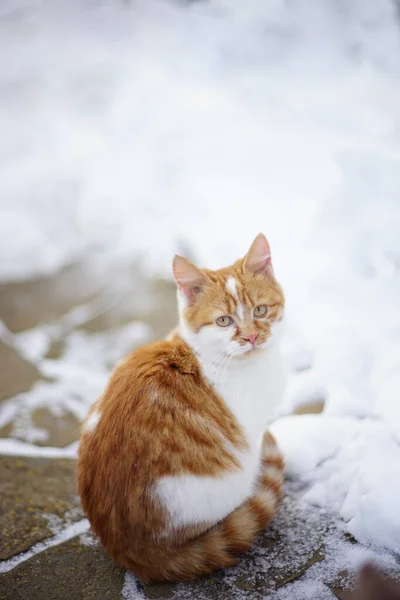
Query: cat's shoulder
(172, 355)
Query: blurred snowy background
(131, 130)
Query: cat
(372, 584)
(177, 472)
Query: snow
(72, 382)
(130, 590)
(12, 447)
(352, 466)
(150, 121)
(134, 130)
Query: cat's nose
(251, 338)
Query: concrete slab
(31, 488)
(16, 374)
(70, 571)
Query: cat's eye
(224, 321)
(260, 311)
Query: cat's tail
(218, 547)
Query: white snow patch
(130, 591)
(305, 590)
(88, 539)
(12, 447)
(92, 421)
(352, 466)
(264, 113)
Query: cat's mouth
(250, 350)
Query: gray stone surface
(31, 488)
(16, 374)
(70, 571)
(61, 430)
(296, 547)
(24, 304)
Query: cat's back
(153, 372)
(144, 393)
(155, 413)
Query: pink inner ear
(258, 258)
(189, 290)
(189, 279)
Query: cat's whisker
(222, 368)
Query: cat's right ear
(258, 258)
(189, 279)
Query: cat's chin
(249, 352)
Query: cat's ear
(258, 258)
(189, 279)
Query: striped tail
(218, 547)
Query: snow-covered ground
(142, 128)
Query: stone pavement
(46, 549)
(40, 499)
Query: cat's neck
(251, 385)
(219, 369)
(216, 365)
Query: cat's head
(372, 584)
(235, 311)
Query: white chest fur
(251, 387)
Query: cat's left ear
(189, 279)
(258, 258)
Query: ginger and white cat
(177, 472)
